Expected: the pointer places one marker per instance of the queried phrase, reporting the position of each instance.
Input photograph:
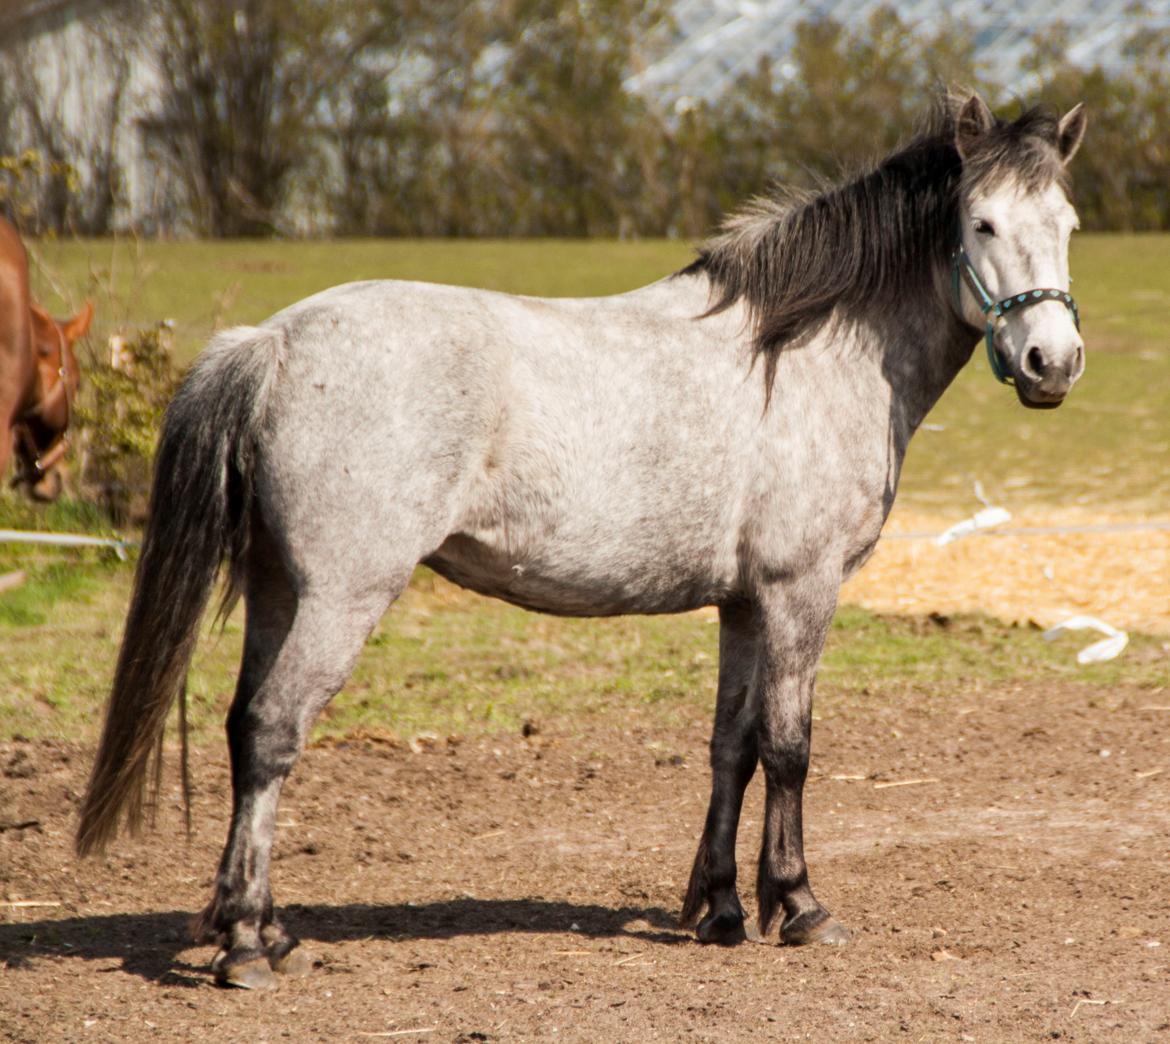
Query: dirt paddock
(1002, 859)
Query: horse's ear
(42, 322)
(44, 330)
(1071, 131)
(79, 324)
(973, 122)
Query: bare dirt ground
(527, 888)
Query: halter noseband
(995, 312)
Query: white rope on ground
(1104, 527)
(988, 518)
(20, 536)
(1108, 648)
(990, 522)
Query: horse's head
(42, 439)
(53, 341)
(1011, 263)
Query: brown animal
(39, 375)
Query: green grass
(1107, 445)
(31, 604)
(201, 283)
(54, 573)
(446, 661)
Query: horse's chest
(861, 546)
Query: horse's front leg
(795, 623)
(733, 762)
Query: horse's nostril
(1034, 362)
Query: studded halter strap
(995, 312)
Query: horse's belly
(576, 583)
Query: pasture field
(490, 835)
(1104, 451)
(1108, 443)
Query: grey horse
(730, 436)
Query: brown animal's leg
(733, 762)
(48, 488)
(795, 630)
(298, 652)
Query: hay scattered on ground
(1121, 577)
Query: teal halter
(996, 311)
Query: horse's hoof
(296, 963)
(813, 927)
(724, 929)
(254, 974)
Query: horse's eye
(984, 228)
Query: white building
(65, 65)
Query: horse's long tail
(202, 489)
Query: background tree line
(511, 118)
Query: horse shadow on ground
(149, 944)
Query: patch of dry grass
(1123, 577)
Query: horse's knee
(785, 756)
(734, 754)
(257, 729)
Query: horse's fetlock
(278, 942)
(790, 877)
(724, 927)
(721, 874)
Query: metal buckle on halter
(995, 312)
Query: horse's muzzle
(1043, 380)
(1035, 399)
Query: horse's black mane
(797, 257)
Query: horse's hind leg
(298, 651)
(733, 761)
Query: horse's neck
(921, 348)
(922, 355)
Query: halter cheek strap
(995, 312)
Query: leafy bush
(118, 416)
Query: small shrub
(118, 417)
